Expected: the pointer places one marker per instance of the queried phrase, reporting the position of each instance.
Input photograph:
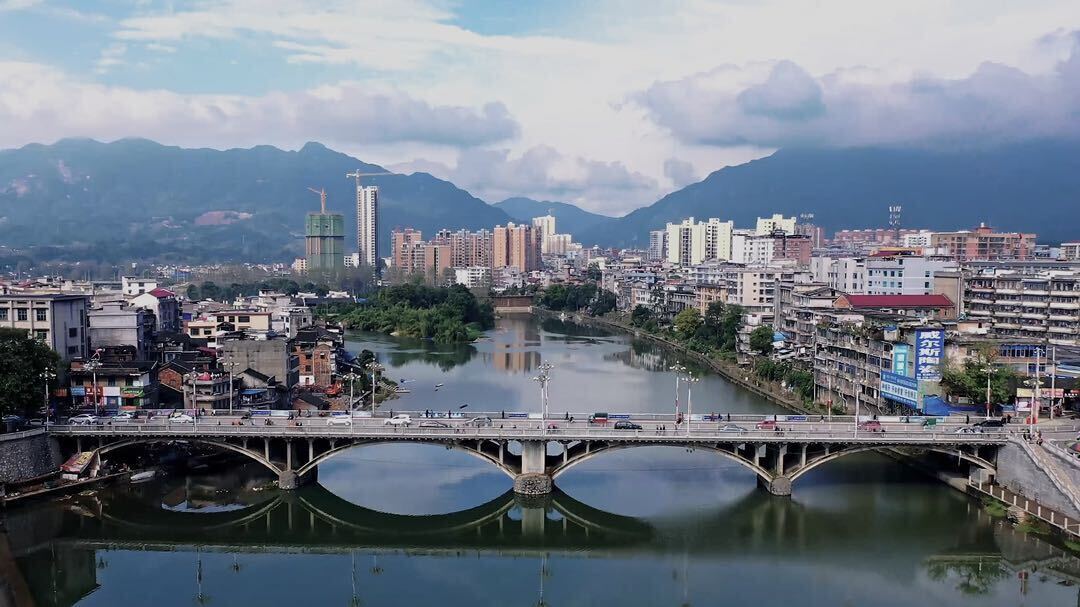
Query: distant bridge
(534, 452)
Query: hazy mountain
(1026, 187)
(136, 199)
(569, 219)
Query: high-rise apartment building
(768, 225)
(983, 244)
(516, 246)
(657, 245)
(686, 242)
(403, 243)
(467, 248)
(545, 227)
(367, 224)
(718, 239)
(324, 242)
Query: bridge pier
(534, 478)
(289, 479)
(781, 485)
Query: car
(83, 419)
(400, 419)
(36, 422)
(339, 420)
(123, 416)
(871, 426)
(991, 423)
(766, 425)
(181, 418)
(430, 423)
(598, 418)
(731, 428)
(480, 422)
(969, 430)
(622, 424)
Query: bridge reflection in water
(53, 553)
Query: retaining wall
(1017, 472)
(25, 455)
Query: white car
(83, 419)
(339, 420)
(182, 418)
(399, 420)
(124, 417)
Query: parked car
(480, 422)
(766, 425)
(83, 419)
(400, 419)
(871, 426)
(969, 430)
(731, 428)
(339, 420)
(431, 423)
(598, 418)
(36, 422)
(623, 424)
(991, 423)
(181, 418)
(124, 416)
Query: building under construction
(324, 239)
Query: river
(419, 525)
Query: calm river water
(421, 525)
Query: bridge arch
(609, 447)
(254, 455)
(810, 465)
(452, 444)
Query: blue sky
(607, 104)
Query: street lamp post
(678, 370)
(375, 368)
(690, 381)
(92, 365)
(989, 372)
(543, 378)
(351, 377)
(47, 375)
(231, 365)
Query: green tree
(24, 361)
(687, 322)
(594, 273)
(640, 315)
(761, 340)
(192, 292)
(604, 303)
(209, 290)
(968, 380)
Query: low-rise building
(935, 306)
(56, 319)
(116, 323)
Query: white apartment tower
(545, 226)
(367, 226)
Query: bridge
(535, 452)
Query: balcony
(1006, 325)
(1039, 328)
(1064, 317)
(1007, 314)
(1008, 292)
(1063, 330)
(1065, 305)
(1039, 291)
(1033, 315)
(977, 312)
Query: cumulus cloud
(680, 172)
(38, 103)
(544, 173)
(783, 105)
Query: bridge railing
(700, 434)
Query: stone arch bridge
(533, 457)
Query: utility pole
(1053, 382)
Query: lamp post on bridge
(678, 370)
(543, 378)
(989, 372)
(351, 377)
(690, 381)
(47, 375)
(231, 366)
(375, 368)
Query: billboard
(929, 350)
(900, 388)
(900, 359)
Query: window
(73, 349)
(39, 315)
(73, 332)
(3, 314)
(20, 314)
(41, 335)
(245, 319)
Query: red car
(871, 426)
(766, 425)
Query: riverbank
(740, 376)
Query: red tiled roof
(159, 292)
(936, 300)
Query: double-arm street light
(690, 381)
(232, 365)
(351, 377)
(543, 378)
(678, 370)
(375, 369)
(47, 375)
(93, 365)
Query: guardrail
(708, 434)
(21, 434)
(1054, 518)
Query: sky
(605, 104)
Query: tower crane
(322, 197)
(357, 174)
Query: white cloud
(680, 172)
(38, 103)
(783, 105)
(543, 173)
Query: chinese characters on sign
(929, 348)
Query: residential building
(1070, 251)
(686, 242)
(904, 274)
(847, 274)
(718, 236)
(165, 306)
(516, 246)
(916, 240)
(114, 384)
(299, 265)
(116, 323)
(58, 320)
(934, 306)
(403, 243)
(271, 357)
(983, 243)
(473, 277)
(545, 228)
(749, 248)
(767, 225)
(467, 248)
(558, 244)
(324, 241)
(352, 260)
(657, 245)
(367, 224)
(253, 322)
(1042, 307)
(437, 260)
(133, 285)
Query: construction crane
(357, 174)
(322, 197)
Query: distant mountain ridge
(137, 199)
(569, 219)
(1031, 187)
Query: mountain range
(136, 199)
